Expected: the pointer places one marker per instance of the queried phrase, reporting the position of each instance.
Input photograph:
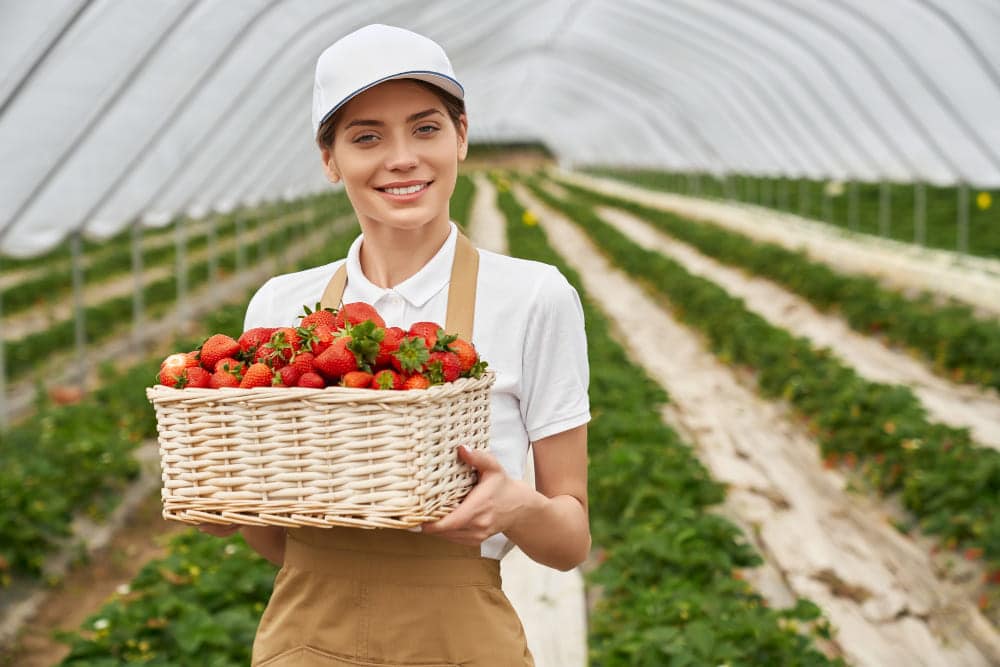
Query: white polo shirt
(528, 326)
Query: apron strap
(461, 289)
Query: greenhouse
(734, 379)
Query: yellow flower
(984, 200)
(529, 218)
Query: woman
(389, 119)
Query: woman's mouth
(405, 192)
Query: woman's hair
(453, 105)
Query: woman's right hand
(219, 530)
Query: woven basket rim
(161, 393)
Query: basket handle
(461, 289)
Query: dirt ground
(89, 585)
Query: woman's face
(397, 153)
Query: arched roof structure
(114, 111)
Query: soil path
(550, 603)
(957, 405)
(973, 280)
(877, 587)
(41, 318)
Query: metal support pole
(3, 369)
(919, 214)
(180, 245)
(137, 295)
(213, 252)
(241, 251)
(852, 207)
(884, 209)
(963, 217)
(80, 330)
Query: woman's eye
(427, 129)
(364, 139)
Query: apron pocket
(307, 656)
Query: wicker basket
(318, 457)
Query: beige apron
(386, 597)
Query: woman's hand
(219, 530)
(492, 506)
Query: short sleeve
(556, 372)
(259, 309)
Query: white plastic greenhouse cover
(119, 110)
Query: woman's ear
(463, 137)
(329, 166)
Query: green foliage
(670, 594)
(200, 605)
(461, 200)
(950, 337)
(949, 483)
(810, 198)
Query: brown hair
(454, 106)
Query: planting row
(90, 443)
(946, 481)
(104, 319)
(831, 202)
(950, 337)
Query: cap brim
(442, 81)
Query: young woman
(390, 122)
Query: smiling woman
(390, 124)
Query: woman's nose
(402, 155)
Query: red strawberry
(230, 365)
(443, 367)
(426, 330)
(311, 380)
(215, 348)
(324, 316)
(416, 381)
(337, 360)
(393, 337)
(315, 338)
(172, 368)
(467, 355)
(197, 377)
(277, 351)
(303, 361)
(258, 375)
(356, 379)
(357, 312)
(289, 375)
(387, 379)
(411, 355)
(252, 339)
(222, 379)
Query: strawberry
(390, 343)
(357, 379)
(252, 339)
(467, 356)
(325, 316)
(411, 355)
(315, 338)
(303, 361)
(426, 330)
(230, 365)
(289, 375)
(172, 368)
(311, 380)
(222, 379)
(443, 367)
(387, 379)
(215, 348)
(284, 343)
(197, 377)
(258, 375)
(357, 312)
(416, 381)
(337, 360)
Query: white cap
(373, 54)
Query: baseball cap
(371, 55)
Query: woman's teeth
(405, 191)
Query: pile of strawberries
(351, 347)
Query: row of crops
(949, 217)
(670, 566)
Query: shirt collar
(418, 288)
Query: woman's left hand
(492, 506)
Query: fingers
(481, 460)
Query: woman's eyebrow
(409, 119)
